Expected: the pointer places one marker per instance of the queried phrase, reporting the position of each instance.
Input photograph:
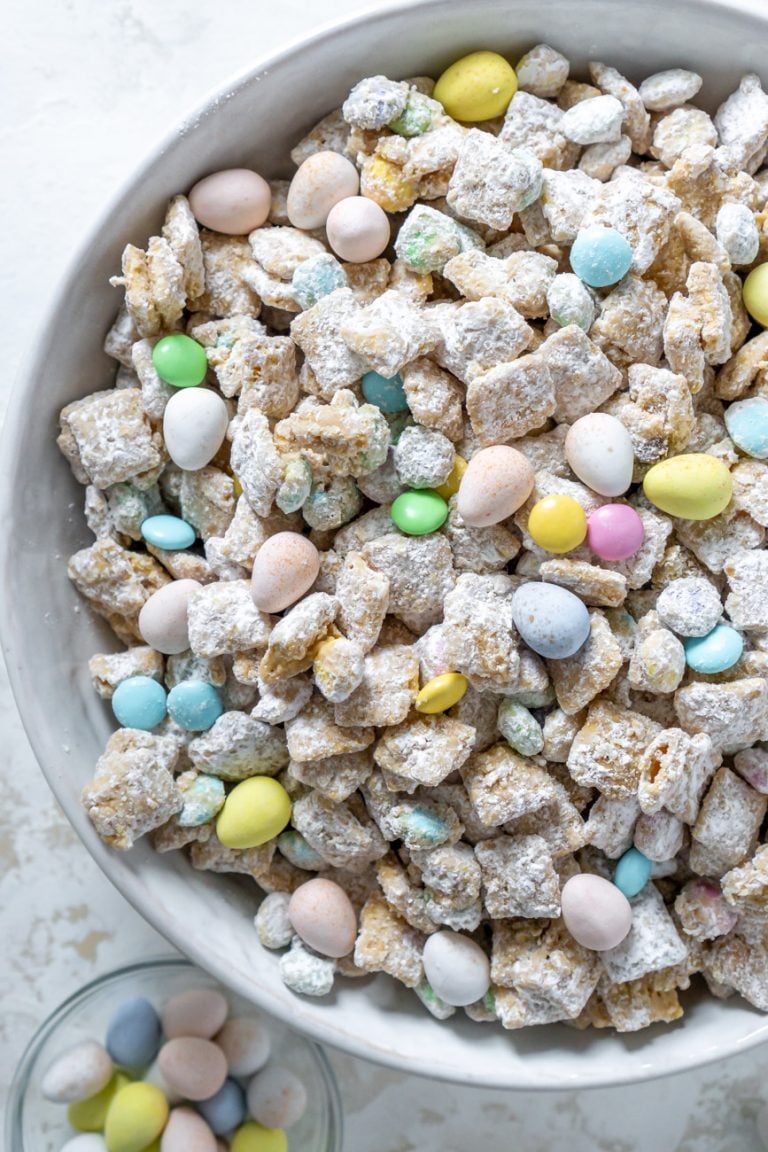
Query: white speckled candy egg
(234, 201)
(286, 566)
(276, 1097)
(599, 450)
(323, 916)
(198, 1012)
(496, 483)
(194, 426)
(163, 617)
(79, 1072)
(85, 1142)
(456, 967)
(320, 182)
(193, 1067)
(551, 620)
(246, 1043)
(357, 229)
(186, 1131)
(595, 912)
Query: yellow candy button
(441, 693)
(90, 1115)
(477, 87)
(755, 294)
(256, 810)
(253, 1137)
(557, 523)
(695, 486)
(451, 486)
(136, 1117)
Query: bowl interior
(49, 634)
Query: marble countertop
(87, 88)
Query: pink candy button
(614, 532)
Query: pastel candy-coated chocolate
(456, 967)
(595, 912)
(418, 513)
(600, 256)
(180, 360)
(187, 1131)
(133, 1033)
(139, 702)
(286, 566)
(321, 181)
(747, 424)
(476, 87)
(755, 294)
(557, 523)
(386, 392)
(323, 916)
(256, 810)
(168, 532)
(195, 423)
(193, 1067)
(136, 1117)
(599, 450)
(632, 872)
(497, 481)
(194, 705)
(441, 693)
(199, 1012)
(89, 1115)
(317, 277)
(551, 620)
(453, 483)
(253, 1137)
(357, 229)
(615, 532)
(163, 617)
(77, 1073)
(203, 799)
(719, 650)
(234, 201)
(695, 486)
(225, 1110)
(86, 1142)
(276, 1097)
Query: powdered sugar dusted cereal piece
(730, 818)
(423, 458)
(428, 239)
(747, 575)
(424, 750)
(542, 71)
(752, 766)
(481, 636)
(503, 785)
(386, 943)
(375, 102)
(338, 668)
(657, 412)
(295, 639)
(582, 376)
(420, 573)
(154, 283)
(630, 323)
(641, 212)
(742, 124)
(658, 661)
(580, 678)
(404, 896)
(669, 89)
(111, 669)
(736, 230)
(558, 970)
(491, 181)
(559, 731)
(108, 438)
(653, 942)
(337, 439)
(305, 972)
(480, 550)
(600, 161)
(387, 333)
(519, 878)
(636, 119)
(223, 618)
(675, 768)
(317, 331)
(478, 335)
(660, 836)
(511, 399)
(116, 582)
(569, 302)
(387, 690)
(335, 831)
(594, 121)
(272, 923)
(434, 397)
(702, 910)
(133, 790)
(536, 125)
(335, 777)
(329, 135)
(733, 715)
(332, 503)
(744, 370)
(606, 750)
(750, 490)
(592, 584)
(611, 825)
(237, 747)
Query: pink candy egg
(286, 566)
(276, 1097)
(615, 532)
(321, 181)
(198, 1012)
(497, 482)
(357, 229)
(322, 914)
(246, 1043)
(595, 912)
(234, 201)
(163, 618)
(194, 1068)
(186, 1131)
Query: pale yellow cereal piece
(133, 790)
(582, 376)
(387, 183)
(212, 856)
(335, 777)
(337, 439)
(417, 286)
(368, 280)
(606, 751)
(703, 178)
(675, 768)
(637, 122)
(637, 1004)
(386, 943)
(730, 818)
(435, 397)
(658, 660)
(521, 278)
(388, 689)
(534, 124)
(559, 733)
(503, 785)
(579, 678)
(478, 335)
(566, 197)
(405, 897)
(573, 93)
(388, 333)
(679, 130)
(723, 539)
(116, 582)
(184, 565)
(181, 231)
(329, 135)
(110, 669)
(207, 500)
(556, 969)
(121, 337)
(423, 750)
(108, 439)
(630, 323)
(481, 637)
(657, 412)
(745, 370)
(592, 584)
(507, 401)
(314, 735)
(261, 369)
(338, 668)
(154, 286)
(295, 639)
(519, 877)
(363, 597)
(226, 260)
(600, 161)
(750, 490)
(280, 251)
(733, 715)
(273, 292)
(420, 574)
(223, 619)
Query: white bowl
(49, 634)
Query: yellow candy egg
(441, 693)
(695, 486)
(253, 1137)
(451, 486)
(256, 810)
(477, 87)
(90, 1115)
(755, 294)
(557, 523)
(136, 1117)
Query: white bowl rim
(317, 1028)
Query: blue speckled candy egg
(134, 1033)
(299, 851)
(317, 277)
(718, 650)
(632, 873)
(225, 1110)
(600, 256)
(386, 392)
(204, 798)
(747, 424)
(194, 705)
(168, 532)
(551, 620)
(139, 702)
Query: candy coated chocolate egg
(695, 486)
(170, 533)
(90, 1115)
(87, 1142)
(276, 1097)
(323, 916)
(456, 968)
(357, 229)
(225, 1110)
(418, 513)
(139, 702)
(615, 532)
(256, 810)
(477, 87)
(551, 620)
(719, 650)
(600, 256)
(453, 483)
(133, 1033)
(180, 361)
(136, 1117)
(557, 523)
(497, 481)
(197, 1012)
(194, 705)
(286, 566)
(234, 201)
(755, 294)
(386, 392)
(747, 424)
(163, 618)
(595, 912)
(194, 426)
(187, 1131)
(599, 450)
(321, 181)
(253, 1137)
(632, 872)
(193, 1067)
(441, 693)
(246, 1043)
(78, 1073)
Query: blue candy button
(194, 705)
(718, 650)
(386, 392)
(168, 532)
(600, 256)
(139, 702)
(632, 872)
(747, 424)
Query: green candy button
(418, 513)
(180, 360)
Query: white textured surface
(88, 88)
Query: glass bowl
(34, 1124)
